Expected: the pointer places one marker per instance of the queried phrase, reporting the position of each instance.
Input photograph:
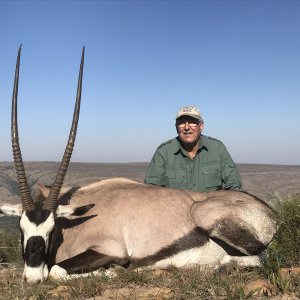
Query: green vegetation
(284, 252)
(286, 246)
(226, 283)
(10, 247)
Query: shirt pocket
(176, 178)
(211, 172)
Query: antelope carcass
(119, 221)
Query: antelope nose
(35, 247)
(31, 281)
(35, 251)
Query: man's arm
(155, 173)
(230, 174)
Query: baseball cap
(191, 111)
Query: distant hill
(259, 180)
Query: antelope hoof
(57, 272)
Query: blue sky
(238, 61)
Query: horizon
(238, 61)
(131, 162)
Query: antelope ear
(66, 211)
(11, 209)
(43, 191)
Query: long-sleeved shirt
(211, 169)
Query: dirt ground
(260, 180)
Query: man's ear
(176, 128)
(11, 209)
(65, 211)
(201, 126)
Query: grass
(10, 247)
(284, 252)
(192, 284)
(286, 247)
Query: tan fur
(136, 220)
(131, 213)
(43, 191)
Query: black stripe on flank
(90, 261)
(35, 251)
(195, 238)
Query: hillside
(259, 180)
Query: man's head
(189, 124)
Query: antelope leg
(90, 261)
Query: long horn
(51, 202)
(25, 195)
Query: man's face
(189, 129)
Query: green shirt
(211, 169)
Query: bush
(287, 240)
(284, 251)
(10, 246)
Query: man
(193, 161)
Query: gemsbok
(121, 222)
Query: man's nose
(186, 125)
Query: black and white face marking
(36, 227)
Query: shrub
(287, 241)
(10, 246)
(284, 251)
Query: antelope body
(119, 221)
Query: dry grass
(187, 284)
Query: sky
(238, 61)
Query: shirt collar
(203, 142)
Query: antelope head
(37, 223)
